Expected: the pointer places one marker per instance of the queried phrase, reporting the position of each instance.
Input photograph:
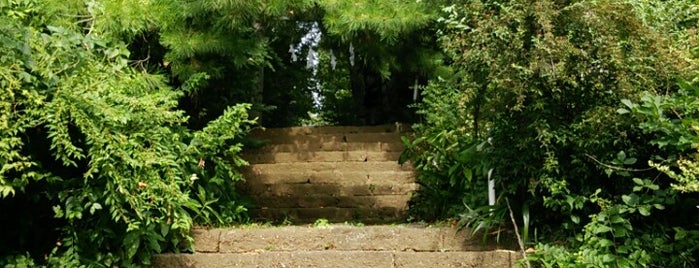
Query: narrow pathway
(337, 174)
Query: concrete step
(333, 259)
(339, 167)
(315, 146)
(332, 214)
(372, 188)
(320, 156)
(300, 131)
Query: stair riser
(337, 167)
(394, 201)
(333, 146)
(332, 214)
(330, 177)
(349, 156)
(305, 189)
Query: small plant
(321, 223)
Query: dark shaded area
(27, 222)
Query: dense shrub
(97, 166)
(534, 95)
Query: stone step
(339, 167)
(334, 137)
(321, 201)
(329, 258)
(395, 146)
(339, 245)
(277, 175)
(320, 156)
(299, 131)
(264, 190)
(341, 237)
(332, 214)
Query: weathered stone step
(264, 190)
(396, 146)
(368, 167)
(320, 201)
(320, 156)
(264, 175)
(341, 237)
(339, 246)
(298, 131)
(334, 137)
(370, 259)
(332, 214)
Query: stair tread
(341, 237)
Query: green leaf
(599, 229)
(616, 219)
(622, 111)
(630, 200)
(680, 233)
(644, 210)
(628, 103)
(469, 174)
(605, 243)
(94, 207)
(621, 155)
(653, 186)
(575, 219)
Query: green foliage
(674, 122)
(103, 145)
(532, 94)
(389, 19)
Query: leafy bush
(533, 96)
(101, 145)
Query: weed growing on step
(321, 223)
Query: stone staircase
(325, 175)
(342, 245)
(334, 173)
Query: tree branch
(617, 168)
